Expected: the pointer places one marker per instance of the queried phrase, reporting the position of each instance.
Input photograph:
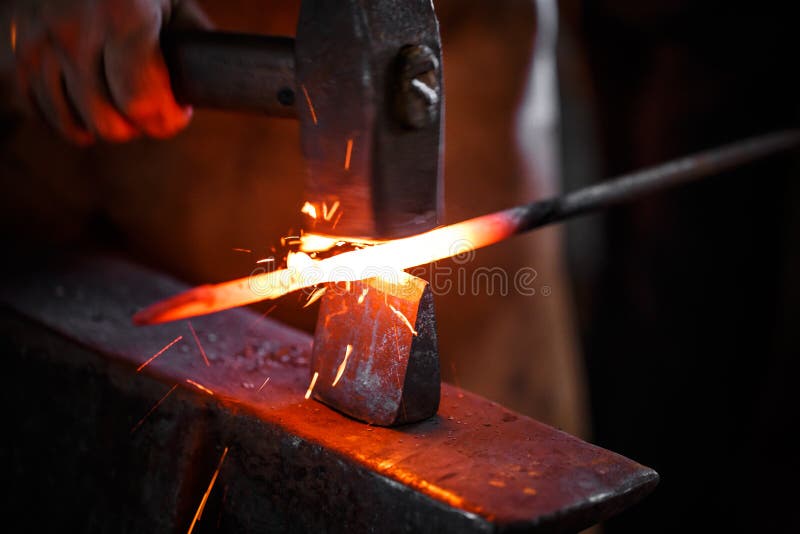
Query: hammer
(364, 79)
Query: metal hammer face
(370, 103)
(375, 351)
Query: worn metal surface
(237, 72)
(70, 355)
(369, 363)
(350, 68)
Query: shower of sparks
(363, 295)
(348, 154)
(156, 405)
(311, 385)
(244, 250)
(208, 492)
(342, 366)
(13, 36)
(199, 345)
(201, 387)
(309, 209)
(264, 384)
(159, 353)
(310, 105)
(327, 214)
(404, 319)
(395, 255)
(315, 296)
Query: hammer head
(369, 85)
(375, 350)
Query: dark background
(689, 310)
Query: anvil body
(77, 456)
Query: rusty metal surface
(351, 69)
(369, 363)
(294, 465)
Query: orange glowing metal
(310, 105)
(309, 209)
(342, 366)
(389, 256)
(201, 387)
(208, 492)
(312, 384)
(403, 318)
(156, 405)
(159, 353)
(199, 345)
(348, 154)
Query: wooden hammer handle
(230, 71)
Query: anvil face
(375, 351)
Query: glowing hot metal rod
(399, 254)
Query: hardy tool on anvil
(365, 81)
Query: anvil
(97, 446)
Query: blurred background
(665, 330)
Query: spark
(244, 250)
(266, 260)
(159, 353)
(363, 295)
(404, 319)
(156, 405)
(208, 492)
(199, 345)
(327, 214)
(337, 220)
(309, 209)
(263, 315)
(397, 254)
(14, 36)
(348, 154)
(310, 105)
(201, 387)
(315, 296)
(529, 491)
(342, 366)
(264, 384)
(311, 385)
